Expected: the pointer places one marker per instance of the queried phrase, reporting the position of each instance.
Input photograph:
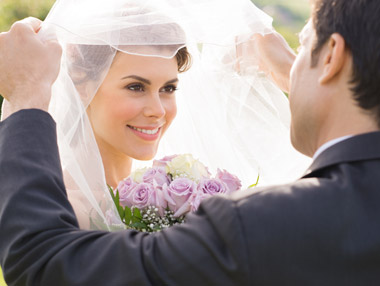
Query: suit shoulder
(302, 194)
(292, 191)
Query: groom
(323, 229)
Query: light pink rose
(233, 183)
(142, 195)
(161, 163)
(157, 199)
(196, 200)
(125, 188)
(178, 193)
(212, 187)
(156, 177)
(112, 218)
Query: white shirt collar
(329, 144)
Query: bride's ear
(333, 58)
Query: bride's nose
(154, 106)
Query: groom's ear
(333, 58)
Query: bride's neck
(117, 165)
(116, 168)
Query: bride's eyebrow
(172, 81)
(147, 81)
(139, 78)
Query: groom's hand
(28, 66)
(272, 54)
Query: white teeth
(150, 132)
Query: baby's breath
(152, 221)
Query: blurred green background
(289, 16)
(13, 10)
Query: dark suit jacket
(323, 229)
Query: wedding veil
(228, 117)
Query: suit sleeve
(41, 243)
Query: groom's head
(335, 80)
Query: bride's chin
(141, 152)
(144, 157)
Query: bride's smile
(146, 133)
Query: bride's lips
(146, 133)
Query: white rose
(138, 174)
(188, 167)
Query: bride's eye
(169, 89)
(135, 87)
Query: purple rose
(196, 200)
(112, 218)
(212, 187)
(157, 199)
(161, 163)
(156, 177)
(178, 193)
(125, 188)
(142, 195)
(233, 183)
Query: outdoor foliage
(13, 10)
(288, 16)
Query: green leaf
(137, 213)
(111, 192)
(117, 198)
(136, 216)
(127, 215)
(120, 209)
(255, 184)
(139, 226)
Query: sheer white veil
(229, 118)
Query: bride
(116, 94)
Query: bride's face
(135, 105)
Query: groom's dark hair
(358, 22)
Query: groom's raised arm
(41, 243)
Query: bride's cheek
(172, 110)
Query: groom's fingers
(27, 63)
(29, 23)
(274, 56)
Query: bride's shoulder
(79, 203)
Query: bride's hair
(183, 59)
(85, 61)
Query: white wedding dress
(228, 118)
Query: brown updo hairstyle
(183, 58)
(85, 61)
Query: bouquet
(151, 199)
